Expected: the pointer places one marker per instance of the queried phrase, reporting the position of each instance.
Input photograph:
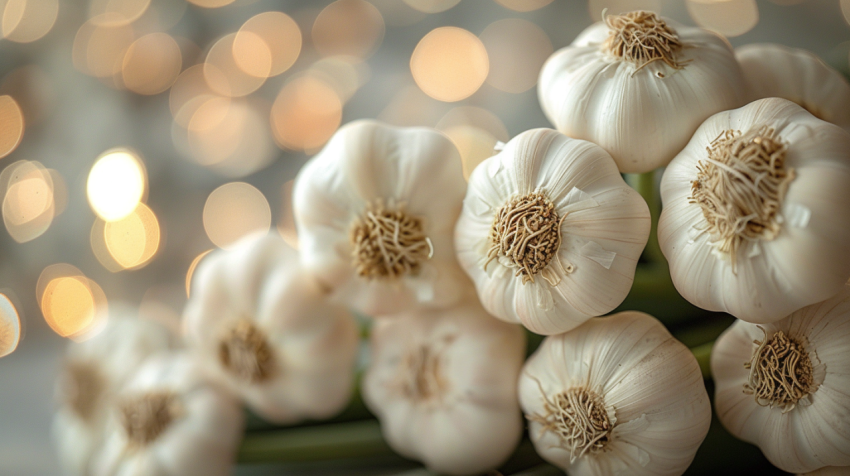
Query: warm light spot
(68, 305)
(727, 17)
(475, 117)
(517, 50)
(433, 6)
(117, 11)
(25, 21)
(348, 27)
(524, 5)
(411, 107)
(189, 92)
(234, 210)
(28, 204)
(305, 113)
(449, 64)
(133, 240)
(33, 91)
(98, 246)
(616, 7)
(10, 326)
(100, 44)
(281, 37)
(286, 223)
(474, 144)
(211, 3)
(11, 125)
(151, 64)
(346, 74)
(191, 271)
(224, 75)
(845, 9)
(116, 184)
(252, 54)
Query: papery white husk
(642, 118)
(605, 230)
(651, 386)
(314, 342)
(797, 75)
(365, 161)
(816, 432)
(807, 262)
(475, 423)
(114, 353)
(201, 441)
(831, 471)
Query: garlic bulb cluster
(550, 233)
(264, 329)
(796, 75)
(785, 386)
(756, 210)
(375, 212)
(169, 421)
(443, 384)
(93, 372)
(618, 395)
(639, 86)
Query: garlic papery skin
(550, 233)
(831, 471)
(265, 329)
(443, 385)
(639, 86)
(618, 395)
(797, 75)
(93, 371)
(375, 212)
(785, 386)
(755, 212)
(169, 421)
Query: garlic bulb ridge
(639, 85)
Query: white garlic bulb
(443, 385)
(93, 371)
(755, 212)
(550, 233)
(376, 211)
(785, 386)
(618, 395)
(169, 421)
(831, 471)
(639, 86)
(264, 328)
(797, 75)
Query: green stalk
(703, 355)
(645, 185)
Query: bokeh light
(10, 326)
(133, 240)
(116, 184)
(397, 14)
(305, 113)
(189, 92)
(346, 74)
(25, 21)
(211, 3)
(151, 64)
(411, 107)
(72, 305)
(845, 9)
(279, 36)
(234, 210)
(616, 7)
(286, 224)
(117, 11)
(191, 271)
(11, 125)
(449, 64)
(224, 74)
(432, 6)
(517, 50)
(32, 90)
(523, 5)
(727, 17)
(348, 27)
(100, 45)
(28, 199)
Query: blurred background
(137, 135)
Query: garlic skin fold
(93, 372)
(639, 86)
(798, 369)
(168, 420)
(618, 395)
(265, 329)
(375, 211)
(778, 239)
(797, 75)
(443, 385)
(591, 228)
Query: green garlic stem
(645, 185)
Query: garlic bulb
(376, 211)
(639, 86)
(169, 421)
(264, 328)
(797, 75)
(785, 386)
(443, 385)
(94, 370)
(755, 212)
(618, 395)
(831, 471)
(550, 233)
